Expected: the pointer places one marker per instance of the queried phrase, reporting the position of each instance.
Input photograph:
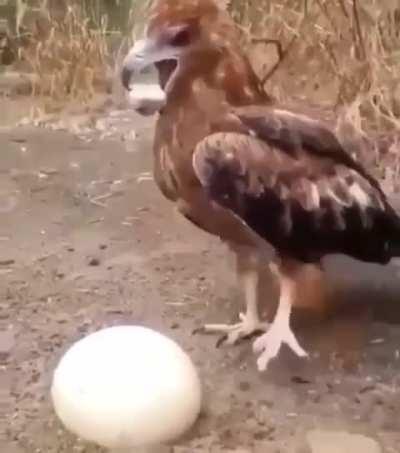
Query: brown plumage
(248, 172)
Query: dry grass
(335, 52)
(339, 52)
(69, 59)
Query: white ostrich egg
(126, 386)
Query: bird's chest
(175, 141)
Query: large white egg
(126, 386)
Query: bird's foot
(231, 334)
(270, 343)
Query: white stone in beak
(146, 98)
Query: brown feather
(305, 204)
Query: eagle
(255, 175)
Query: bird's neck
(228, 72)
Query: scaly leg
(250, 321)
(279, 332)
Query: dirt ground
(86, 241)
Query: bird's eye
(181, 38)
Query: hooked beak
(143, 54)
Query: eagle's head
(180, 35)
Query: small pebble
(94, 262)
(244, 386)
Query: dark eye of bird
(182, 38)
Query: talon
(198, 330)
(252, 335)
(235, 333)
(221, 340)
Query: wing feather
(305, 203)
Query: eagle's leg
(248, 270)
(250, 322)
(269, 344)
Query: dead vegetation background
(335, 52)
(340, 53)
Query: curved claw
(257, 333)
(202, 330)
(198, 330)
(233, 334)
(223, 338)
